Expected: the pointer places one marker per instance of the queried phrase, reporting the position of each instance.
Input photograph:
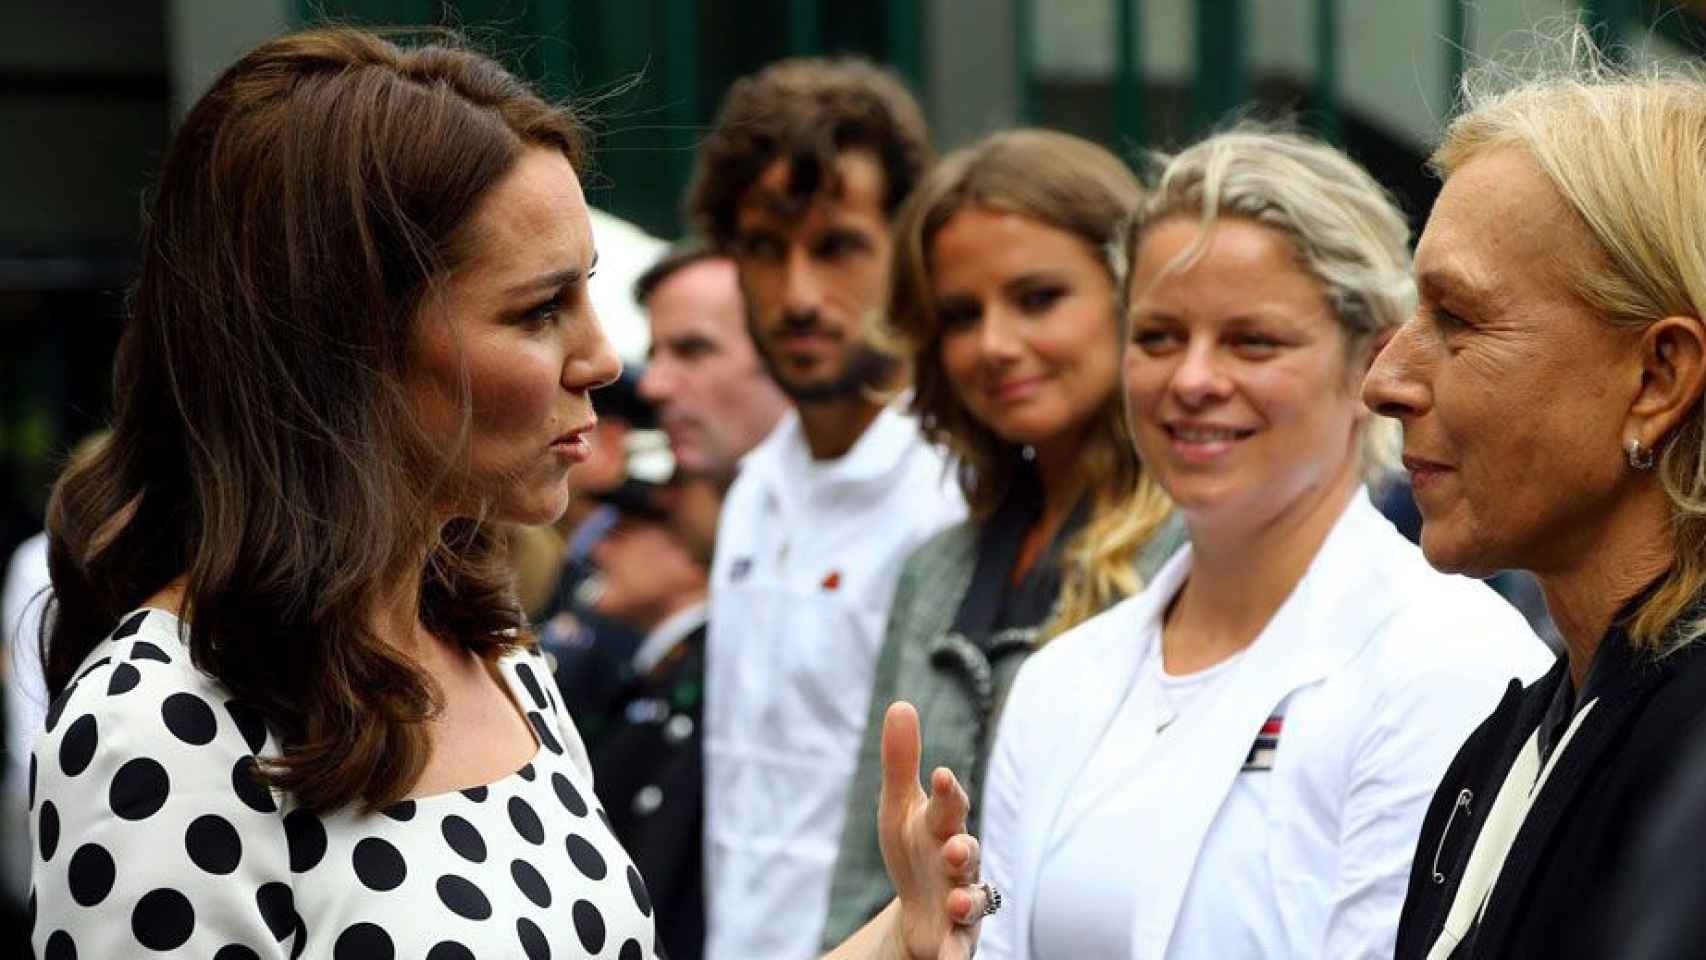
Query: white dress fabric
(1276, 815)
(808, 556)
(151, 839)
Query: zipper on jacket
(1463, 797)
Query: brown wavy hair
(262, 445)
(1073, 185)
(806, 110)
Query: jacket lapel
(1600, 732)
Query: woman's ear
(1673, 375)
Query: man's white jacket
(808, 554)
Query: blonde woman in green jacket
(1005, 298)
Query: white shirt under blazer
(1378, 665)
(808, 556)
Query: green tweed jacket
(958, 688)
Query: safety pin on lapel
(1463, 797)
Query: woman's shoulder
(142, 678)
(1116, 635)
(952, 548)
(141, 730)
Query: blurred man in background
(713, 397)
(647, 761)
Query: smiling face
(1508, 386)
(514, 326)
(1239, 384)
(813, 274)
(1028, 338)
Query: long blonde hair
(1626, 149)
(1076, 186)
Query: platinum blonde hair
(1626, 149)
(1347, 229)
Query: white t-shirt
(808, 554)
(1083, 901)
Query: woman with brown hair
(1005, 301)
(360, 337)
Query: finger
(949, 805)
(963, 855)
(964, 905)
(901, 749)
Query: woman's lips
(1204, 443)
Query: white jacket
(1380, 667)
(807, 558)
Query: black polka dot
(236, 951)
(566, 792)
(57, 707)
(47, 830)
(637, 887)
(306, 838)
(450, 950)
(476, 794)
(464, 839)
(364, 941)
(531, 682)
(533, 941)
(378, 865)
(526, 821)
(189, 718)
(630, 951)
(301, 933)
(527, 773)
(60, 947)
(531, 884)
(586, 857)
(91, 875)
(77, 747)
(213, 844)
(130, 625)
(124, 679)
(544, 730)
(163, 920)
(463, 898)
(143, 650)
(91, 668)
(249, 724)
(402, 811)
(139, 789)
(589, 925)
(250, 790)
(277, 904)
(32, 781)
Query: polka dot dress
(151, 838)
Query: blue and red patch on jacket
(1261, 756)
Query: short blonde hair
(1626, 149)
(1073, 185)
(1348, 231)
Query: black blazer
(1553, 895)
(649, 770)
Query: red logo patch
(833, 581)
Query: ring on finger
(991, 898)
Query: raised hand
(931, 860)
